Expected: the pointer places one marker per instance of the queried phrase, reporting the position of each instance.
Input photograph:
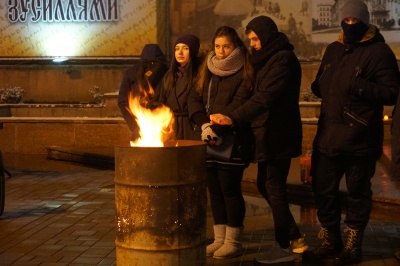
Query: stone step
(96, 157)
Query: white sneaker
(298, 245)
(275, 255)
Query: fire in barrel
(160, 195)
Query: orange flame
(155, 126)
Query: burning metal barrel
(160, 201)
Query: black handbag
(223, 151)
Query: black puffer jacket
(354, 83)
(274, 107)
(227, 94)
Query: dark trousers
(271, 183)
(227, 202)
(327, 171)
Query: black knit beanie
(190, 40)
(265, 28)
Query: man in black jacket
(358, 75)
(276, 124)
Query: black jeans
(227, 202)
(327, 171)
(271, 183)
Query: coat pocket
(353, 119)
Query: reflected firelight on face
(182, 54)
(223, 47)
(254, 41)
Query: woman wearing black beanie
(178, 81)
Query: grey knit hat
(355, 9)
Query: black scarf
(354, 32)
(260, 57)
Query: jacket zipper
(323, 72)
(359, 120)
(358, 71)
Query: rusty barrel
(160, 202)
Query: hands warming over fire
(220, 119)
(209, 136)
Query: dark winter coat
(354, 83)
(227, 94)
(395, 151)
(177, 99)
(274, 107)
(153, 65)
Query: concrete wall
(69, 83)
(32, 136)
(32, 129)
(62, 83)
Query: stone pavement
(58, 213)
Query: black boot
(352, 252)
(331, 245)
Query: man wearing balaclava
(276, 123)
(358, 75)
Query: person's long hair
(169, 80)
(232, 36)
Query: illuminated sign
(76, 28)
(62, 11)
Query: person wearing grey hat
(354, 20)
(178, 81)
(358, 75)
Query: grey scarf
(227, 66)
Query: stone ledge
(97, 157)
(75, 120)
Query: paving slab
(58, 213)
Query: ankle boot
(352, 252)
(219, 238)
(331, 244)
(232, 246)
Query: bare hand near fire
(220, 119)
